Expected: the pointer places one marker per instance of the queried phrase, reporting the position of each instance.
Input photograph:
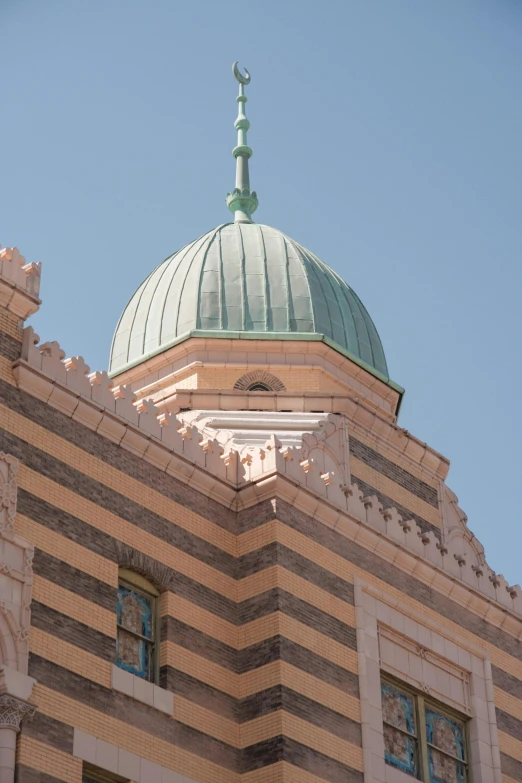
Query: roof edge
(230, 335)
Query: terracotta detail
(19, 283)
(8, 490)
(13, 711)
(220, 443)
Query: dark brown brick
(72, 631)
(199, 643)
(50, 731)
(66, 525)
(388, 502)
(182, 684)
(123, 460)
(507, 682)
(73, 579)
(509, 724)
(117, 504)
(280, 600)
(511, 767)
(392, 575)
(279, 648)
(280, 697)
(281, 748)
(394, 472)
(278, 554)
(25, 774)
(132, 712)
(103, 544)
(10, 347)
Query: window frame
(91, 774)
(131, 580)
(420, 701)
(259, 386)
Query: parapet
(19, 283)
(232, 457)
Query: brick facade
(258, 630)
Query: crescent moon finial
(239, 76)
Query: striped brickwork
(258, 639)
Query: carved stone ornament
(8, 490)
(13, 711)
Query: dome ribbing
(245, 280)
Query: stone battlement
(230, 465)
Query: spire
(242, 202)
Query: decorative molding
(232, 466)
(16, 562)
(379, 617)
(19, 283)
(451, 687)
(8, 491)
(13, 711)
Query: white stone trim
(373, 607)
(268, 355)
(141, 690)
(19, 283)
(120, 761)
(239, 479)
(16, 574)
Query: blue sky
(387, 139)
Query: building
(225, 561)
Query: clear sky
(387, 138)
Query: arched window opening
(137, 625)
(259, 380)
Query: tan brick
(70, 657)
(69, 551)
(73, 605)
(128, 737)
(395, 491)
(50, 761)
(113, 478)
(115, 526)
(510, 746)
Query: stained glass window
(135, 646)
(400, 742)
(446, 748)
(421, 739)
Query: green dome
(245, 280)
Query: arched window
(137, 625)
(259, 380)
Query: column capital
(13, 711)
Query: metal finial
(241, 79)
(242, 201)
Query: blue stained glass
(448, 736)
(400, 749)
(134, 611)
(135, 628)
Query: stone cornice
(276, 486)
(397, 440)
(240, 479)
(202, 346)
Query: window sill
(141, 690)
(394, 775)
